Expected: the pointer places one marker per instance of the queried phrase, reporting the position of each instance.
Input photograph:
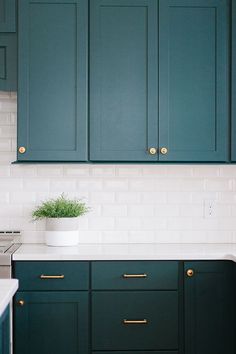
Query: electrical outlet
(209, 208)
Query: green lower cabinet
(134, 320)
(209, 307)
(51, 323)
(5, 332)
(138, 352)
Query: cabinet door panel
(51, 322)
(52, 80)
(194, 80)
(209, 315)
(233, 76)
(110, 309)
(7, 15)
(8, 61)
(123, 80)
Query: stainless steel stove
(9, 243)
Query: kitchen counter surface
(8, 288)
(41, 252)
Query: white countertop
(40, 252)
(8, 288)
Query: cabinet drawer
(156, 275)
(156, 352)
(156, 314)
(52, 275)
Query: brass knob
(190, 273)
(152, 151)
(164, 150)
(21, 302)
(22, 149)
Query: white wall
(130, 203)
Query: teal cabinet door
(7, 15)
(5, 332)
(123, 80)
(209, 308)
(51, 322)
(8, 62)
(233, 81)
(52, 90)
(193, 101)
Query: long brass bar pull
(144, 275)
(127, 322)
(61, 276)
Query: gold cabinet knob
(21, 302)
(190, 273)
(22, 149)
(152, 151)
(164, 150)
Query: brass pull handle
(22, 149)
(164, 150)
(144, 275)
(21, 302)
(190, 273)
(42, 276)
(144, 321)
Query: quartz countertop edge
(8, 288)
(96, 252)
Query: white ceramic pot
(61, 232)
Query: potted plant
(61, 216)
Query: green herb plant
(60, 207)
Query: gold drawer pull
(42, 276)
(144, 275)
(144, 321)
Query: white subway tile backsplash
(114, 210)
(65, 185)
(129, 203)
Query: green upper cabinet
(52, 89)
(183, 108)
(233, 73)
(8, 46)
(193, 102)
(123, 80)
(209, 307)
(8, 61)
(7, 15)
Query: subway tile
(102, 197)
(114, 210)
(115, 236)
(116, 184)
(63, 185)
(128, 197)
(141, 210)
(76, 171)
(49, 171)
(101, 223)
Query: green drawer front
(146, 352)
(52, 275)
(156, 275)
(110, 309)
